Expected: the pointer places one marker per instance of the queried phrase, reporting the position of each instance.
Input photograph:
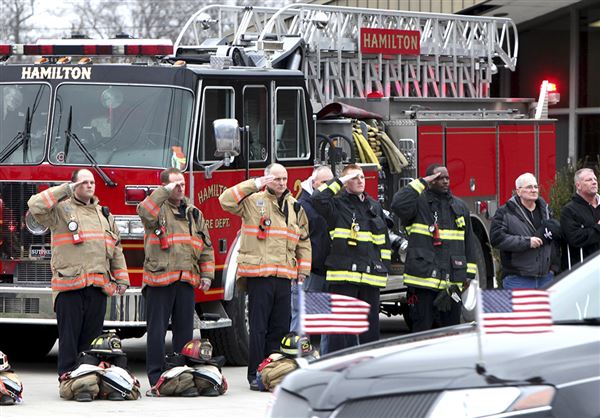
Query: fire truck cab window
(23, 122)
(291, 131)
(137, 126)
(218, 103)
(255, 116)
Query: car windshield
(134, 126)
(576, 296)
(23, 121)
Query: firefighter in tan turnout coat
(178, 258)
(275, 249)
(87, 262)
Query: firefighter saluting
(275, 249)
(179, 257)
(357, 265)
(87, 262)
(440, 258)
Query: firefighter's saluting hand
(178, 258)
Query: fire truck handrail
(326, 28)
(457, 54)
(441, 34)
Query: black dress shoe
(83, 397)
(254, 385)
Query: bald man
(275, 249)
(525, 233)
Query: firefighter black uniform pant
(176, 302)
(79, 316)
(423, 314)
(366, 293)
(269, 312)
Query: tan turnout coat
(190, 254)
(98, 260)
(286, 251)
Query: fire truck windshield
(123, 125)
(23, 121)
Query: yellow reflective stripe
(356, 277)
(417, 185)
(419, 229)
(445, 234)
(378, 239)
(429, 282)
(386, 254)
(472, 268)
(373, 279)
(423, 281)
(452, 234)
(335, 187)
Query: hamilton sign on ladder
(390, 41)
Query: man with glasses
(525, 233)
(274, 250)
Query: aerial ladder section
(351, 52)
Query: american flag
(329, 313)
(517, 311)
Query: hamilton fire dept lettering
(214, 190)
(56, 73)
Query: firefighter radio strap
(434, 229)
(264, 223)
(354, 230)
(161, 232)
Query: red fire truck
(266, 70)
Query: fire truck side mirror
(227, 138)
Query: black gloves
(444, 300)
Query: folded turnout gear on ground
(11, 388)
(273, 370)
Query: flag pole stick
(480, 367)
(300, 315)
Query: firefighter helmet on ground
(290, 343)
(198, 351)
(4, 362)
(108, 344)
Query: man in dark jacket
(358, 262)
(580, 218)
(525, 233)
(440, 259)
(320, 243)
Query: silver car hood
(445, 359)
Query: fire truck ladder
(458, 54)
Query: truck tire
(232, 342)
(31, 345)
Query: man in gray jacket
(525, 233)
